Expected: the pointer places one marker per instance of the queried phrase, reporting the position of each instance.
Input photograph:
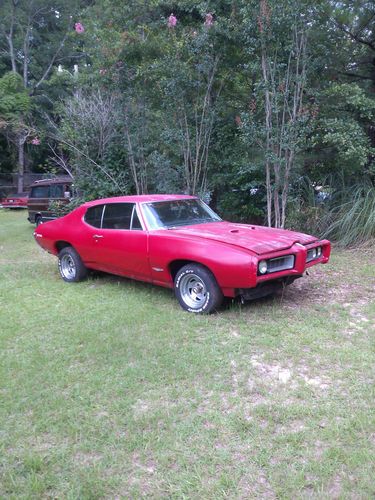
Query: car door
(119, 244)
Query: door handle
(97, 236)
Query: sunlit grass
(109, 389)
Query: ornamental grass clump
(352, 222)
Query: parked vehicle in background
(17, 200)
(178, 242)
(43, 192)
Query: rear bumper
(15, 205)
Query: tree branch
(51, 62)
(355, 36)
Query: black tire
(38, 220)
(71, 267)
(196, 289)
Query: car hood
(258, 239)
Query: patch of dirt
(290, 376)
(331, 285)
(148, 467)
(334, 488)
(87, 459)
(255, 485)
(320, 449)
(143, 406)
(292, 427)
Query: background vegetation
(265, 108)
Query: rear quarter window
(93, 216)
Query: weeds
(109, 390)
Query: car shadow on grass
(289, 297)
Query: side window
(56, 191)
(117, 215)
(93, 216)
(40, 192)
(136, 223)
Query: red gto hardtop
(140, 198)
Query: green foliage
(341, 131)
(347, 141)
(14, 98)
(352, 100)
(166, 133)
(59, 208)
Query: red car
(177, 241)
(18, 200)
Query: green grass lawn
(108, 389)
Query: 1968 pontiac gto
(177, 241)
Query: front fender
(232, 267)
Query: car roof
(141, 198)
(55, 180)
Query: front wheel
(197, 290)
(71, 267)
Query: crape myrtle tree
(165, 60)
(279, 110)
(189, 86)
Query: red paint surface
(231, 251)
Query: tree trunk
(21, 164)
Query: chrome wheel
(67, 267)
(71, 266)
(193, 291)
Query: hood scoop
(237, 230)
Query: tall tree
(278, 116)
(35, 36)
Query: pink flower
(79, 28)
(209, 20)
(172, 21)
(102, 71)
(35, 141)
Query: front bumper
(299, 252)
(266, 288)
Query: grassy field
(110, 390)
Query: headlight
(262, 267)
(314, 253)
(319, 249)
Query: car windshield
(175, 213)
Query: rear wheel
(71, 267)
(197, 290)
